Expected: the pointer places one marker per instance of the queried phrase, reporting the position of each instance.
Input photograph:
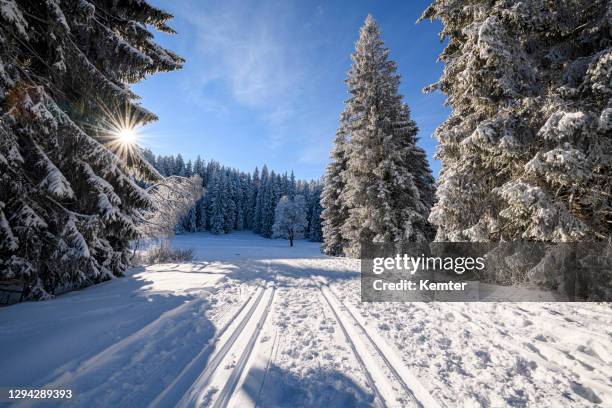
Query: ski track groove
(202, 381)
(359, 358)
(227, 391)
(161, 399)
(426, 400)
(271, 361)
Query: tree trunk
(290, 240)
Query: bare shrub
(164, 254)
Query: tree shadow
(105, 339)
(286, 274)
(280, 388)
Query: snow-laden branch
(172, 199)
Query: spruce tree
(271, 189)
(179, 166)
(314, 226)
(198, 168)
(526, 152)
(215, 217)
(388, 183)
(260, 200)
(67, 196)
(334, 212)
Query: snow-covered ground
(252, 322)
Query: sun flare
(120, 129)
(127, 136)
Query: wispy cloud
(245, 55)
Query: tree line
(234, 200)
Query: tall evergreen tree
(179, 166)
(526, 152)
(260, 200)
(335, 211)
(216, 218)
(67, 198)
(198, 168)
(315, 233)
(388, 183)
(188, 169)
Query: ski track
(375, 384)
(227, 391)
(187, 374)
(288, 331)
(196, 393)
(416, 394)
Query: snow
(10, 11)
(253, 321)
(54, 182)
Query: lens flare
(119, 130)
(127, 136)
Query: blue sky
(264, 80)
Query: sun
(127, 136)
(120, 130)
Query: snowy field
(252, 322)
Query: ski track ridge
(358, 356)
(421, 396)
(190, 397)
(226, 393)
(162, 399)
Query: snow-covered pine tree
(190, 220)
(335, 211)
(188, 169)
(179, 166)
(202, 212)
(169, 166)
(216, 219)
(271, 198)
(526, 152)
(314, 226)
(291, 189)
(290, 218)
(254, 190)
(260, 200)
(67, 202)
(385, 167)
(198, 168)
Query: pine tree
(198, 168)
(260, 200)
(335, 212)
(526, 152)
(291, 189)
(67, 198)
(253, 191)
(315, 233)
(384, 166)
(190, 221)
(201, 213)
(188, 169)
(179, 166)
(290, 218)
(216, 206)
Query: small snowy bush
(164, 254)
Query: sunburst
(121, 131)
